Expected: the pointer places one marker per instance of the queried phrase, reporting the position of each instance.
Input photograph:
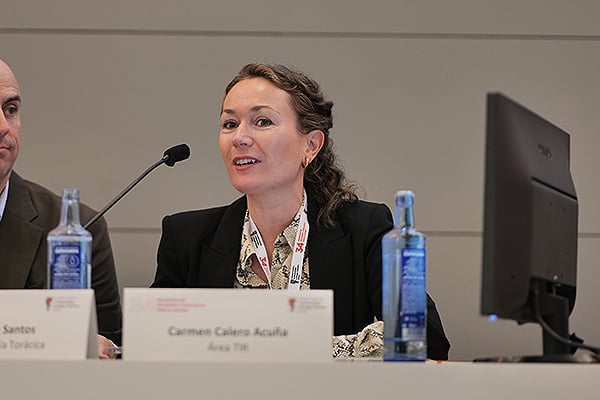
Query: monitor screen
(530, 220)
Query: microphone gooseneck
(172, 155)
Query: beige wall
(108, 86)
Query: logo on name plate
(306, 304)
(61, 303)
(292, 303)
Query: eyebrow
(253, 109)
(16, 98)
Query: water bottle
(69, 248)
(404, 298)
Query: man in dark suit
(29, 211)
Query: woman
(275, 143)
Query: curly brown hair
(324, 179)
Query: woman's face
(260, 142)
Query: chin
(244, 187)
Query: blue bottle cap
(405, 198)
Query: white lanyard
(298, 249)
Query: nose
(3, 124)
(241, 137)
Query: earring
(305, 162)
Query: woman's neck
(272, 215)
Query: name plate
(227, 325)
(48, 324)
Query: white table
(116, 379)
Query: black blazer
(202, 248)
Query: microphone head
(175, 154)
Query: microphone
(175, 154)
(171, 156)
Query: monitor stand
(555, 312)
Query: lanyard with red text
(297, 257)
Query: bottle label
(414, 298)
(68, 265)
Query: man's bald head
(10, 122)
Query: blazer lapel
(19, 236)
(219, 261)
(332, 266)
(330, 254)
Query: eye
(229, 124)
(263, 122)
(11, 110)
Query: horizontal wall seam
(457, 234)
(580, 235)
(296, 34)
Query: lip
(5, 146)
(244, 166)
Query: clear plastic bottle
(69, 248)
(404, 297)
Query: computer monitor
(530, 220)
